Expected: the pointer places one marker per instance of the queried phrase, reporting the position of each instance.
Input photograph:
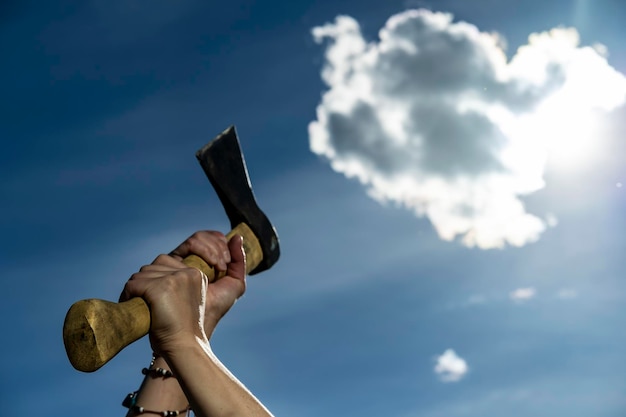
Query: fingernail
(226, 256)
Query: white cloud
(522, 294)
(433, 117)
(450, 367)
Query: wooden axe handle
(96, 330)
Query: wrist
(160, 390)
(165, 347)
(187, 352)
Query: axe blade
(224, 165)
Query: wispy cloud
(450, 367)
(433, 117)
(522, 294)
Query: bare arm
(212, 390)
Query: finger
(138, 284)
(194, 245)
(160, 268)
(148, 272)
(211, 246)
(234, 283)
(218, 244)
(203, 237)
(132, 288)
(169, 261)
(237, 265)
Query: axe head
(224, 165)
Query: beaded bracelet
(156, 372)
(130, 402)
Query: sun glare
(570, 135)
(562, 135)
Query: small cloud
(567, 294)
(450, 367)
(522, 294)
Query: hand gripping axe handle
(96, 330)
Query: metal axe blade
(225, 166)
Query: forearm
(210, 388)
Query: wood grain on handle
(96, 330)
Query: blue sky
(104, 104)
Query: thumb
(237, 265)
(234, 283)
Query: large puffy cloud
(434, 117)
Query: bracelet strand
(130, 402)
(156, 372)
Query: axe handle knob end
(96, 330)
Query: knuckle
(195, 274)
(213, 236)
(135, 276)
(171, 284)
(189, 275)
(197, 236)
(191, 279)
(217, 234)
(200, 277)
(161, 259)
(194, 243)
(209, 254)
(127, 291)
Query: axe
(96, 330)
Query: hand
(215, 250)
(181, 301)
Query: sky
(447, 179)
